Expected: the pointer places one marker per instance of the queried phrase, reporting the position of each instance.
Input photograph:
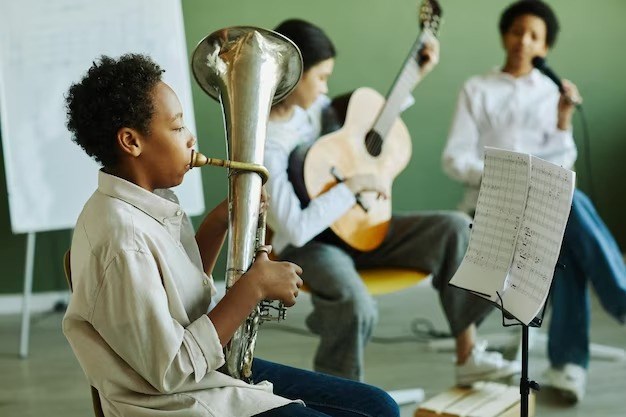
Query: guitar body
(345, 151)
(372, 140)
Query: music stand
(525, 384)
(539, 204)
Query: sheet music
(496, 225)
(520, 219)
(538, 246)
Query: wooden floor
(50, 382)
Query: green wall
(372, 38)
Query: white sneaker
(570, 381)
(482, 365)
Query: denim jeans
(590, 255)
(324, 395)
(344, 313)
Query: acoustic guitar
(372, 140)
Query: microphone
(540, 64)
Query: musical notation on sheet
(497, 221)
(538, 246)
(502, 198)
(522, 210)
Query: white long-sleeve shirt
(499, 110)
(137, 316)
(292, 224)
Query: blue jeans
(590, 254)
(324, 395)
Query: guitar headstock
(430, 16)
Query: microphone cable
(586, 146)
(539, 62)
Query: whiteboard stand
(28, 290)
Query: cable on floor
(422, 331)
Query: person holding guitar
(344, 313)
(517, 107)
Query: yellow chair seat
(387, 280)
(377, 280)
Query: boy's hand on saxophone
(274, 280)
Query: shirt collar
(532, 78)
(161, 205)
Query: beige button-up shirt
(137, 317)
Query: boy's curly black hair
(113, 94)
(533, 7)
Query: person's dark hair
(113, 94)
(533, 7)
(314, 45)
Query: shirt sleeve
(462, 157)
(285, 213)
(559, 148)
(131, 314)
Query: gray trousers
(344, 313)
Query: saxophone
(246, 69)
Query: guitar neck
(403, 85)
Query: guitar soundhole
(373, 143)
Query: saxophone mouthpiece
(197, 159)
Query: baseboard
(39, 302)
(46, 301)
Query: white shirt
(292, 224)
(499, 110)
(137, 316)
